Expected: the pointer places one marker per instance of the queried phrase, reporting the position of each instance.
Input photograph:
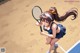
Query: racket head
(36, 12)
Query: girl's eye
(42, 19)
(46, 21)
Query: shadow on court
(3, 1)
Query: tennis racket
(36, 12)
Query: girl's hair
(52, 15)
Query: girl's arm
(49, 35)
(46, 34)
(54, 26)
(38, 24)
(53, 35)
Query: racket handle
(40, 28)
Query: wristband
(50, 35)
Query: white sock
(55, 46)
(48, 51)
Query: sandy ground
(19, 34)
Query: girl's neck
(49, 25)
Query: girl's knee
(48, 40)
(52, 43)
(47, 43)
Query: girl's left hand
(42, 33)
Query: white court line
(73, 46)
(68, 49)
(61, 48)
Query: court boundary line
(61, 48)
(73, 46)
(69, 48)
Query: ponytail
(58, 18)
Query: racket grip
(40, 28)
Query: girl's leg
(52, 44)
(48, 40)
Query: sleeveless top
(50, 30)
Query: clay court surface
(19, 34)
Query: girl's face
(45, 23)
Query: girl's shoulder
(54, 25)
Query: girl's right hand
(38, 24)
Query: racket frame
(38, 20)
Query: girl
(55, 31)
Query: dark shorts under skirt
(62, 31)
